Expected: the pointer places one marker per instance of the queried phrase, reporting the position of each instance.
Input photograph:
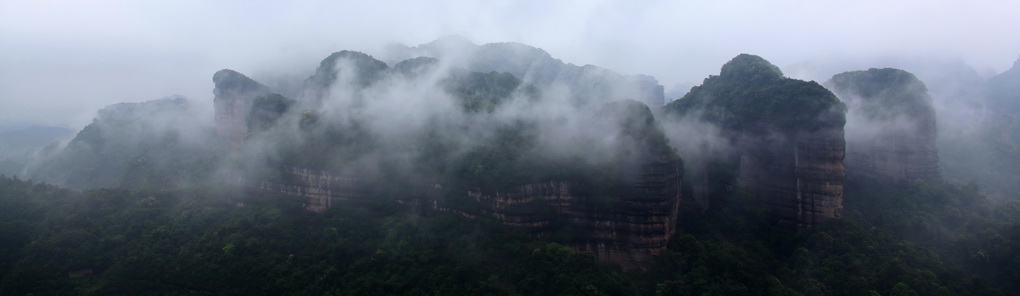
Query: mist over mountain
(452, 167)
(158, 143)
(891, 131)
(785, 137)
(19, 145)
(535, 66)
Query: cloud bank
(63, 60)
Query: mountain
(433, 173)
(786, 139)
(891, 127)
(157, 143)
(469, 142)
(989, 155)
(532, 65)
(234, 96)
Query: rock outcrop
(234, 95)
(786, 137)
(891, 129)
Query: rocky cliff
(798, 176)
(317, 189)
(626, 227)
(234, 95)
(891, 129)
(620, 203)
(786, 139)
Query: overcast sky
(62, 60)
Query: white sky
(61, 60)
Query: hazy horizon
(64, 59)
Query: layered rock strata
(317, 189)
(234, 95)
(626, 228)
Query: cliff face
(234, 95)
(891, 131)
(787, 141)
(799, 177)
(612, 188)
(317, 189)
(626, 228)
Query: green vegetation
(481, 92)
(265, 110)
(120, 242)
(750, 93)
(134, 145)
(511, 156)
(888, 93)
(929, 239)
(362, 68)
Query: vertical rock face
(787, 139)
(318, 189)
(234, 95)
(891, 129)
(626, 228)
(799, 177)
(1004, 104)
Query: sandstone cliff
(234, 95)
(627, 227)
(317, 189)
(891, 129)
(621, 204)
(786, 137)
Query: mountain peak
(752, 67)
(231, 83)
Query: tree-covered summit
(883, 93)
(751, 94)
(751, 68)
(230, 83)
(366, 70)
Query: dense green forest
(929, 239)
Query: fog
(63, 60)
